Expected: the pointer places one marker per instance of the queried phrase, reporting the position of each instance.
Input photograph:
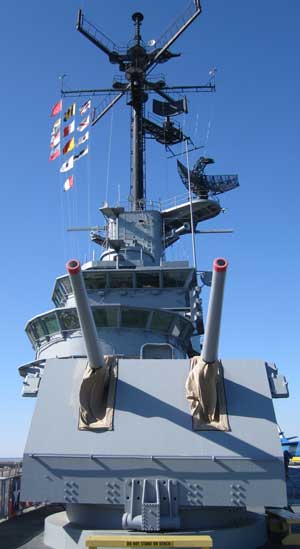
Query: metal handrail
(162, 205)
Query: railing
(10, 475)
(7, 471)
(160, 205)
(176, 25)
(98, 35)
(157, 77)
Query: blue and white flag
(82, 153)
(83, 139)
(68, 165)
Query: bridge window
(59, 293)
(105, 317)
(68, 319)
(66, 284)
(30, 333)
(37, 329)
(161, 322)
(147, 279)
(51, 323)
(134, 318)
(95, 281)
(120, 280)
(174, 279)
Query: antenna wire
(191, 206)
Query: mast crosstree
(137, 61)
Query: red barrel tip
(220, 264)
(73, 266)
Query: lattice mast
(136, 63)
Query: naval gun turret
(87, 324)
(185, 441)
(213, 323)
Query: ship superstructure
(113, 436)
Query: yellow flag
(70, 112)
(69, 146)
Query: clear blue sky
(255, 129)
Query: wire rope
(191, 206)
(89, 193)
(109, 155)
(209, 125)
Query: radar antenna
(201, 184)
(136, 62)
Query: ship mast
(136, 76)
(136, 63)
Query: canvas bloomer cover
(97, 396)
(205, 393)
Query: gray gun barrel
(87, 324)
(213, 322)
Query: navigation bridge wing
(180, 214)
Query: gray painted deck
(26, 531)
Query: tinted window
(105, 317)
(147, 280)
(51, 323)
(134, 318)
(37, 328)
(30, 333)
(66, 284)
(174, 279)
(95, 281)
(68, 319)
(59, 293)
(56, 300)
(120, 280)
(161, 322)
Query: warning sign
(149, 544)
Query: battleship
(141, 431)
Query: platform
(26, 531)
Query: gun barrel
(213, 322)
(86, 320)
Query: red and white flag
(55, 153)
(84, 124)
(56, 108)
(55, 140)
(56, 126)
(85, 107)
(68, 165)
(68, 184)
(69, 129)
(83, 139)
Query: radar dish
(201, 184)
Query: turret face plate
(152, 437)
